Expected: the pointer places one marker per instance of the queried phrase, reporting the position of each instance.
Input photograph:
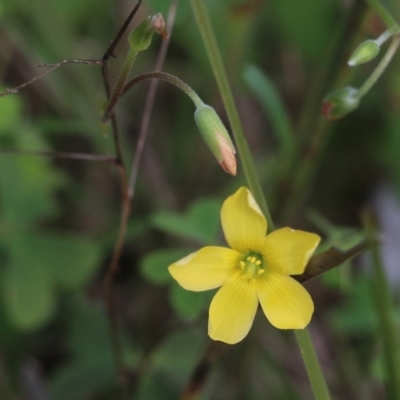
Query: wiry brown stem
(52, 154)
(144, 126)
(52, 67)
(125, 212)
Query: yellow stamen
(251, 267)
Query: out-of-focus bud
(216, 137)
(365, 52)
(340, 102)
(140, 37)
(158, 24)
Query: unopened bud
(340, 102)
(140, 37)
(216, 137)
(158, 24)
(365, 52)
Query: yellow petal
(287, 251)
(205, 269)
(243, 223)
(232, 310)
(286, 303)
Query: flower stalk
(204, 25)
(391, 51)
(311, 362)
(210, 125)
(214, 55)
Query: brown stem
(110, 51)
(52, 67)
(151, 95)
(125, 212)
(73, 156)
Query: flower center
(251, 266)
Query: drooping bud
(216, 137)
(365, 52)
(340, 102)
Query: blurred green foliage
(59, 217)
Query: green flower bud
(365, 52)
(340, 102)
(216, 137)
(140, 38)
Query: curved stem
(381, 67)
(168, 78)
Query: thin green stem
(168, 78)
(126, 68)
(312, 365)
(204, 25)
(391, 51)
(385, 310)
(203, 22)
(385, 15)
(383, 38)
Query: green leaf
(357, 314)
(27, 187)
(28, 288)
(78, 381)
(154, 266)
(182, 349)
(72, 261)
(37, 264)
(266, 92)
(91, 368)
(10, 110)
(88, 336)
(188, 304)
(204, 214)
(200, 223)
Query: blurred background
(59, 217)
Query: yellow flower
(255, 269)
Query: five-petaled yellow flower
(255, 269)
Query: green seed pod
(216, 137)
(340, 102)
(365, 52)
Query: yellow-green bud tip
(365, 52)
(216, 137)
